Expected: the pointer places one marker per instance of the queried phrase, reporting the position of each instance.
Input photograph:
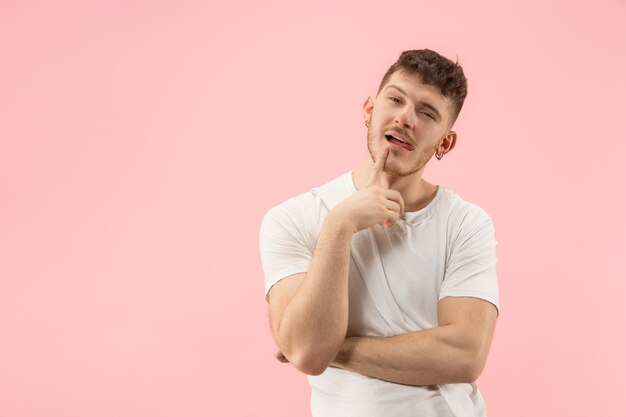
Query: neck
(416, 192)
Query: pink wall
(142, 142)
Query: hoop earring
(367, 123)
(439, 156)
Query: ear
(368, 107)
(447, 143)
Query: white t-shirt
(397, 276)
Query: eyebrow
(423, 103)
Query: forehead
(418, 91)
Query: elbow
(471, 369)
(312, 368)
(311, 358)
(471, 374)
(309, 363)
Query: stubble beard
(425, 156)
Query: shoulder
(309, 206)
(292, 211)
(461, 211)
(464, 219)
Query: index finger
(379, 167)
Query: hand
(375, 203)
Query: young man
(382, 286)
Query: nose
(404, 117)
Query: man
(382, 286)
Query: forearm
(314, 323)
(426, 357)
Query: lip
(407, 145)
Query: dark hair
(433, 69)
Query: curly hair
(433, 69)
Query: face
(412, 119)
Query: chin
(399, 168)
(400, 173)
(394, 167)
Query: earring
(439, 156)
(367, 123)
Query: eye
(428, 114)
(395, 99)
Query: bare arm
(309, 312)
(453, 352)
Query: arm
(309, 311)
(453, 352)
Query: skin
(424, 118)
(309, 311)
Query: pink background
(143, 141)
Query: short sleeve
(285, 244)
(471, 260)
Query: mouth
(393, 139)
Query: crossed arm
(309, 311)
(453, 352)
